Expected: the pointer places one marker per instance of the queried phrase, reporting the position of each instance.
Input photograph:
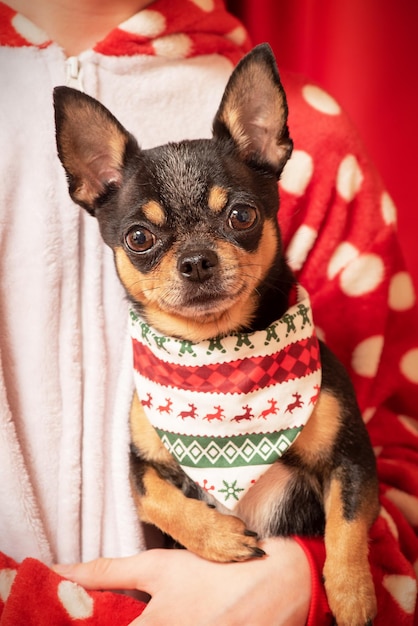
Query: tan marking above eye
(154, 212)
(218, 197)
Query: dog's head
(192, 224)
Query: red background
(365, 53)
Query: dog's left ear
(253, 111)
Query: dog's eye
(139, 239)
(242, 218)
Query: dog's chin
(206, 303)
(202, 316)
(202, 309)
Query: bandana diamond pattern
(295, 361)
(224, 452)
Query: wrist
(294, 575)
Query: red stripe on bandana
(240, 376)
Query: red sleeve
(339, 230)
(319, 613)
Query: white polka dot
(403, 590)
(401, 292)
(368, 414)
(342, 256)
(320, 100)
(205, 5)
(406, 503)
(363, 275)
(390, 522)
(146, 23)
(349, 178)
(29, 31)
(366, 356)
(75, 600)
(7, 577)
(409, 423)
(297, 173)
(176, 46)
(300, 246)
(409, 365)
(388, 209)
(238, 35)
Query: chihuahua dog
(197, 246)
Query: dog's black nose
(197, 265)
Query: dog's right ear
(92, 146)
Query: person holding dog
(161, 67)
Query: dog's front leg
(158, 483)
(348, 580)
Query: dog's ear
(253, 111)
(92, 146)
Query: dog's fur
(197, 247)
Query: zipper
(74, 73)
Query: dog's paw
(224, 538)
(351, 597)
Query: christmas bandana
(229, 407)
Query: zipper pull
(74, 73)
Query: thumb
(133, 572)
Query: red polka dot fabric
(168, 29)
(31, 594)
(339, 230)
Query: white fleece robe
(66, 373)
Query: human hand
(189, 591)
